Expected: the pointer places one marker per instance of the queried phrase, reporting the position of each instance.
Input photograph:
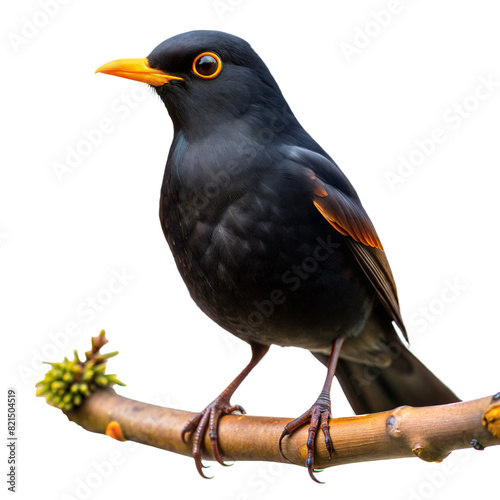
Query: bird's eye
(207, 65)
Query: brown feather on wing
(349, 218)
(346, 215)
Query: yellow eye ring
(207, 65)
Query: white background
(62, 238)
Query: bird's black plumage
(236, 202)
(269, 235)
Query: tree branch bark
(429, 433)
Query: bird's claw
(197, 426)
(317, 416)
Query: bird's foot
(317, 416)
(208, 418)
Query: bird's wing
(375, 265)
(338, 203)
(344, 213)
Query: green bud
(113, 380)
(68, 383)
(100, 368)
(84, 389)
(41, 389)
(56, 373)
(57, 385)
(101, 380)
(76, 358)
(77, 369)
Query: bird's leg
(318, 414)
(220, 406)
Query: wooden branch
(429, 433)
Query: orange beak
(137, 69)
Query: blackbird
(270, 237)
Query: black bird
(270, 237)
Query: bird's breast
(257, 256)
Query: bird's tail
(406, 381)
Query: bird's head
(205, 78)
